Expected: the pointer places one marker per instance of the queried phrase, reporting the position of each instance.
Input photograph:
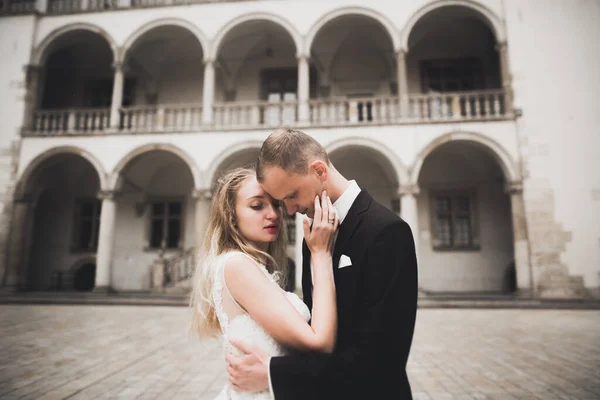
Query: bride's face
(258, 215)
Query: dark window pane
(98, 209)
(158, 209)
(156, 234)
(174, 233)
(442, 205)
(462, 232)
(174, 209)
(443, 232)
(85, 234)
(290, 224)
(462, 204)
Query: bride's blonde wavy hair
(222, 236)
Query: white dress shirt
(342, 206)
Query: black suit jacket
(376, 304)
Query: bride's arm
(267, 304)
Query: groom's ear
(320, 168)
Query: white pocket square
(344, 261)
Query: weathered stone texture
(548, 240)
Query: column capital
(515, 187)
(408, 190)
(119, 66)
(302, 57)
(401, 53)
(209, 61)
(202, 194)
(107, 194)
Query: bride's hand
(321, 236)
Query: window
(87, 224)
(453, 220)
(280, 83)
(290, 225)
(454, 75)
(165, 224)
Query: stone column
(106, 241)
(203, 198)
(32, 95)
(506, 79)
(303, 89)
(408, 210)
(14, 276)
(402, 82)
(208, 94)
(524, 274)
(117, 95)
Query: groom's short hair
(290, 150)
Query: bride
(237, 286)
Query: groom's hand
(250, 372)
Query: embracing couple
(350, 335)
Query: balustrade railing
(179, 117)
(339, 111)
(481, 105)
(71, 6)
(172, 270)
(58, 122)
(180, 267)
(16, 7)
(255, 114)
(9, 7)
(415, 108)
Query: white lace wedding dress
(237, 324)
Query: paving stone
(146, 352)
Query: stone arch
(284, 23)
(204, 43)
(189, 161)
(37, 161)
(402, 175)
(40, 52)
(340, 12)
(218, 161)
(489, 17)
(499, 153)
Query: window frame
(77, 219)
(149, 218)
(282, 73)
(475, 239)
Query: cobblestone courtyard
(127, 352)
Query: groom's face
(296, 191)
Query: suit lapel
(349, 225)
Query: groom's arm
(386, 325)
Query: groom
(375, 270)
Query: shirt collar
(344, 202)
